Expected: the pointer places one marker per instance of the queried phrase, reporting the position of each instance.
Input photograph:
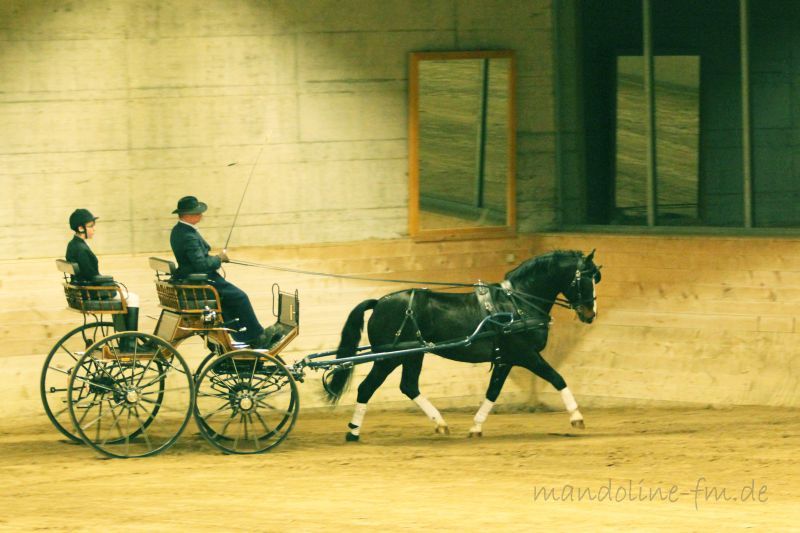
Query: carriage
(131, 394)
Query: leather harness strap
(485, 301)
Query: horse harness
(410, 316)
(521, 321)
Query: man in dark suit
(191, 252)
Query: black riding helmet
(80, 217)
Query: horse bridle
(576, 282)
(561, 302)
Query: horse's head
(566, 272)
(580, 292)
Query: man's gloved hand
(223, 256)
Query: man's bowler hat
(80, 217)
(190, 205)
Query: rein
(504, 285)
(347, 276)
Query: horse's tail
(351, 335)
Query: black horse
(416, 317)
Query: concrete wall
(124, 106)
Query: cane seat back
(192, 294)
(100, 295)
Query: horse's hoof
(442, 430)
(474, 434)
(578, 424)
(349, 437)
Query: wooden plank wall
(709, 320)
(682, 319)
(35, 316)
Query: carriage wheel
(208, 358)
(199, 420)
(58, 365)
(247, 402)
(203, 364)
(131, 395)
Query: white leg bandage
(483, 412)
(358, 418)
(569, 400)
(480, 417)
(430, 410)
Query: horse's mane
(542, 264)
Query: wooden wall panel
(678, 329)
(707, 320)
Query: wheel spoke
(117, 363)
(207, 395)
(154, 380)
(238, 434)
(221, 408)
(143, 427)
(61, 412)
(133, 360)
(94, 383)
(99, 423)
(69, 352)
(253, 432)
(144, 371)
(220, 379)
(115, 424)
(86, 412)
(151, 415)
(128, 434)
(227, 423)
(261, 394)
(54, 369)
(252, 373)
(160, 405)
(264, 424)
(268, 406)
(99, 417)
(162, 391)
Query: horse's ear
(591, 255)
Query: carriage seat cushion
(191, 279)
(102, 305)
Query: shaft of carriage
(490, 326)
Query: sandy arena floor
(402, 476)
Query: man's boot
(133, 325)
(132, 319)
(120, 325)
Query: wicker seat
(192, 294)
(99, 296)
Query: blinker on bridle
(576, 282)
